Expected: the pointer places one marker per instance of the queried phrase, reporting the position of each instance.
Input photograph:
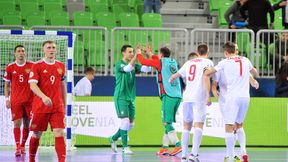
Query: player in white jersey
(236, 72)
(195, 99)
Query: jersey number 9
(192, 73)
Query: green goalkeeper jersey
(125, 88)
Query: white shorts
(235, 110)
(194, 112)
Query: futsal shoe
(113, 145)
(23, 151)
(245, 158)
(183, 159)
(18, 151)
(163, 151)
(176, 151)
(237, 159)
(193, 158)
(127, 151)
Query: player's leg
(187, 125)
(25, 130)
(170, 108)
(17, 114)
(122, 109)
(57, 126)
(199, 110)
(229, 113)
(243, 104)
(39, 123)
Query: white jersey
(222, 83)
(83, 87)
(193, 71)
(236, 71)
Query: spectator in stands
(282, 81)
(281, 51)
(257, 17)
(233, 16)
(283, 5)
(153, 5)
(84, 86)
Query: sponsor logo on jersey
(59, 70)
(14, 72)
(45, 71)
(173, 69)
(31, 74)
(27, 70)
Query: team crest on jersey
(59, 70)
(173, 69)
(27, 70)
(31, 74)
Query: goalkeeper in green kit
(170, 94)
(124, 95)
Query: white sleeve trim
(32, 81)
(145, 69)
(128, 68)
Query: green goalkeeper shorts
(169, 108)
(125, 109)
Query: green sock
(116, 135)
(169, 127)
(178, 144)
(124, 137)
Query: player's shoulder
(30, 62)
(11, 64)
(39, 62)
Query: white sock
(242, 140)
(185, 142)
(197, 137)
(165, 140)
(173, 137)
(230, 144)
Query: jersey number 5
(192, 73)
(21, 79)
(240, 64)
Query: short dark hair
(192, 55)
(48, 42)
(124, 47)
(229, 47)
(165, 51)
(89, 70)
(19, 45)
(202, 49)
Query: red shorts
(40, 121)
(19, 111)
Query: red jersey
(18, 76)
(48, 77)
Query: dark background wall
(146, 86)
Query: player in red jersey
(47, 81)
(17, 87)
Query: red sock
(33, 146)
(17, 135)
(25, 134)
(60, 148)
